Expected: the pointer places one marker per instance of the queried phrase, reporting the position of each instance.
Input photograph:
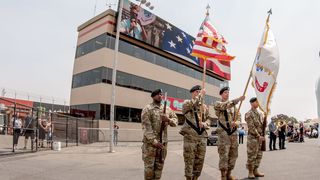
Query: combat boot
(251, 175)
(257, 173)
(229, 176)
(223, 175)
(189, 178)
(195, 178)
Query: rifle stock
(163, 125)
(264, 125)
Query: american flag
(210, 44)
(180, 43)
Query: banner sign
(149, 28)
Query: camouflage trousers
(228, 150)
(254, 152)
(194, 151)
(152, 164)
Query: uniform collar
(154, 105)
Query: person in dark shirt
(29, 130)
(301, 132)
(282, 135)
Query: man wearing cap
(194, 133)
(255, 137)
(227, 132)
(152, 116)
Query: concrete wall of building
(132, 65)
(100, 24)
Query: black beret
(195, 88)
(156, 92)
(224, 89)
(254, 99)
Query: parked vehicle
(212, 138)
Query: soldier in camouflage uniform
(254, 121)
(152, 116)
(194, 134)
(227, 133)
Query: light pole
(114, 69)
(318, 104)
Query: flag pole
(250, 74)
(203, 85)
(204, 76)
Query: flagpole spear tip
(269, 13)
(208, 8)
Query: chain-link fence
(66, 128)
(24, 128)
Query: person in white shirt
(17, 124)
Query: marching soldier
(255, 138)
(154, 121)
(194, 133)
(227, 133)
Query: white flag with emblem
(265, 69)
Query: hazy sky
(38, 39)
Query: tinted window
(105, 40)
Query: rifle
(264, 125)
(163, 125)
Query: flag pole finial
(269, 13)
(208, 9)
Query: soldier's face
(255, 104)
(157, 98)
(195, 93)
(225, 95)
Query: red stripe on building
(96, 27)
(18, 101)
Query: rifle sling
(194, 127)
(227, 129)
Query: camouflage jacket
(254, 121)
(151, 123)
(229, 106)
(189, 108)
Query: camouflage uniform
(151, 125)
(255, 127)
(227, 143)
(194, 143)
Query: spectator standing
(17, 129)
(115, 133)
(241, 134)
(273, 135)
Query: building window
(108, 41)
(122, 113)
(105, 111)
(104, 75)
(100, 41)
(135, 115)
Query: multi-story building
(157, 57)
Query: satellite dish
(143, 1)
(151, 7)
(148, 4)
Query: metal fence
(25, 128)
